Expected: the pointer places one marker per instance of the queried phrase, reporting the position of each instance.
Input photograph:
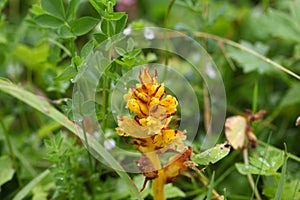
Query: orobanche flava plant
(151, 134)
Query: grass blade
(22, 193)
(211, 187)
(282, 178)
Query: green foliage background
(44, 43)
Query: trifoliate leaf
(262, 161)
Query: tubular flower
(151, 134)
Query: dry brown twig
(222, 40)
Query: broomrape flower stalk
(151, 135)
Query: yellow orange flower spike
(151, 134)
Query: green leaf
(88, 108)
(48, 21)
(2, 4)
(47, 130)
(78, 61)
(114, 16)
(87, 49)
(67, 74)
(212, 155)
(263, 162)
(291, 97)
(39, 193)
(249, 62)
(65, 32)
(78, 100)
(113, 75)
(120, 51)
(71, 9)
(54, 7)
(6, 170)
(32, 57)
(133, 54)
(98, 7)
(249, 169)
(130, 44)
(47, 109)
(8, 121)
(139, 181)
(271, 163)
(291, 188)
(107, 27)
(286, 25)
(295, 11)
(83, 25)
(121, 23)
(173, 192)
(100, 37)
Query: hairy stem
(158, 186)
(159, 182)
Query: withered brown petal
(235, 131)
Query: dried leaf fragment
(235, 131)
(298, 121)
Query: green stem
(168, 13)
(87, 145)
(72, 47)
(11, 152)
(166, 24)
(60, 46)
(23, 117)
(250, 178)
(254, 99)
(104, 101)
(105, 83)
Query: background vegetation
(43, 44)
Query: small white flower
(196, 57)
(127, 31)
(109, 144)
(149, 34)
(210, 71)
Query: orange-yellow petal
(130, 127)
